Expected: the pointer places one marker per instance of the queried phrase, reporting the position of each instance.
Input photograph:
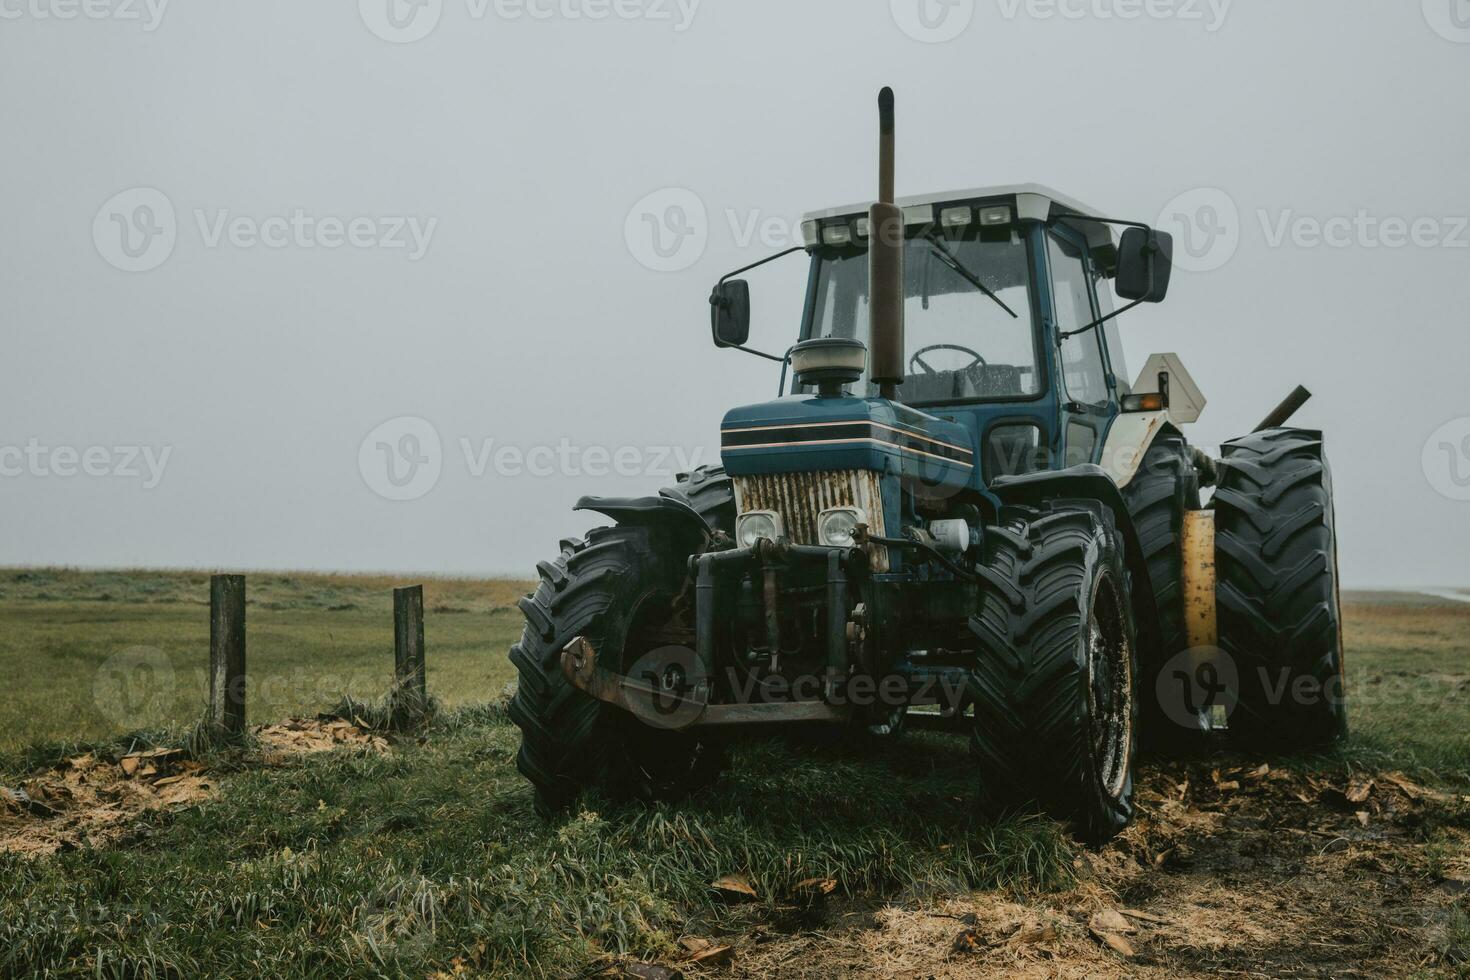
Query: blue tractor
(958, 514)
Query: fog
(255, 253)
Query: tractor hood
(804, 433)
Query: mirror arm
(756, 265)
(1097, 323)
(761, 353)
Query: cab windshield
(960, 343)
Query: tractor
(959, 514)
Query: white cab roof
(1033, 201)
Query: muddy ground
(1241, 872)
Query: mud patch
(298, 737)
(94, 801)
(1248, 870)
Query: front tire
(1054, 688)
(616, 588)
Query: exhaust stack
(885, 265)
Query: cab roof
(1030, 201)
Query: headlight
(835, 526)
(751, 527)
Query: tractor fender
(1128, 440)
(1086, 483)
(646, 511)
(700, 503)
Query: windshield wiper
(947, 257)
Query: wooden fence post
(408, 646)
(227, 653)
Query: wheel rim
(1110, 687)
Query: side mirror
(729, 313)
(1145, 259)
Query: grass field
(92, 654)
(426, 859)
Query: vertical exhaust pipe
(885, 265)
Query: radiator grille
(800, 497)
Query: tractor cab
(1005, 354)
(994, 281)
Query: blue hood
(803, 433)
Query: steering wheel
(918, 358)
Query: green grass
(87, 655)
(396, 865)
(430, 859)
(1408, 671)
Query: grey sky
(495, 285)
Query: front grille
(800, 497)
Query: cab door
(1085, 393)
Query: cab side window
(1083, 372)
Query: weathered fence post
(408, 647)
(227, 653)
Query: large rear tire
(1164, 487)
(1277, 591)
(620, 588)
(1054, 688)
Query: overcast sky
(253, 253)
